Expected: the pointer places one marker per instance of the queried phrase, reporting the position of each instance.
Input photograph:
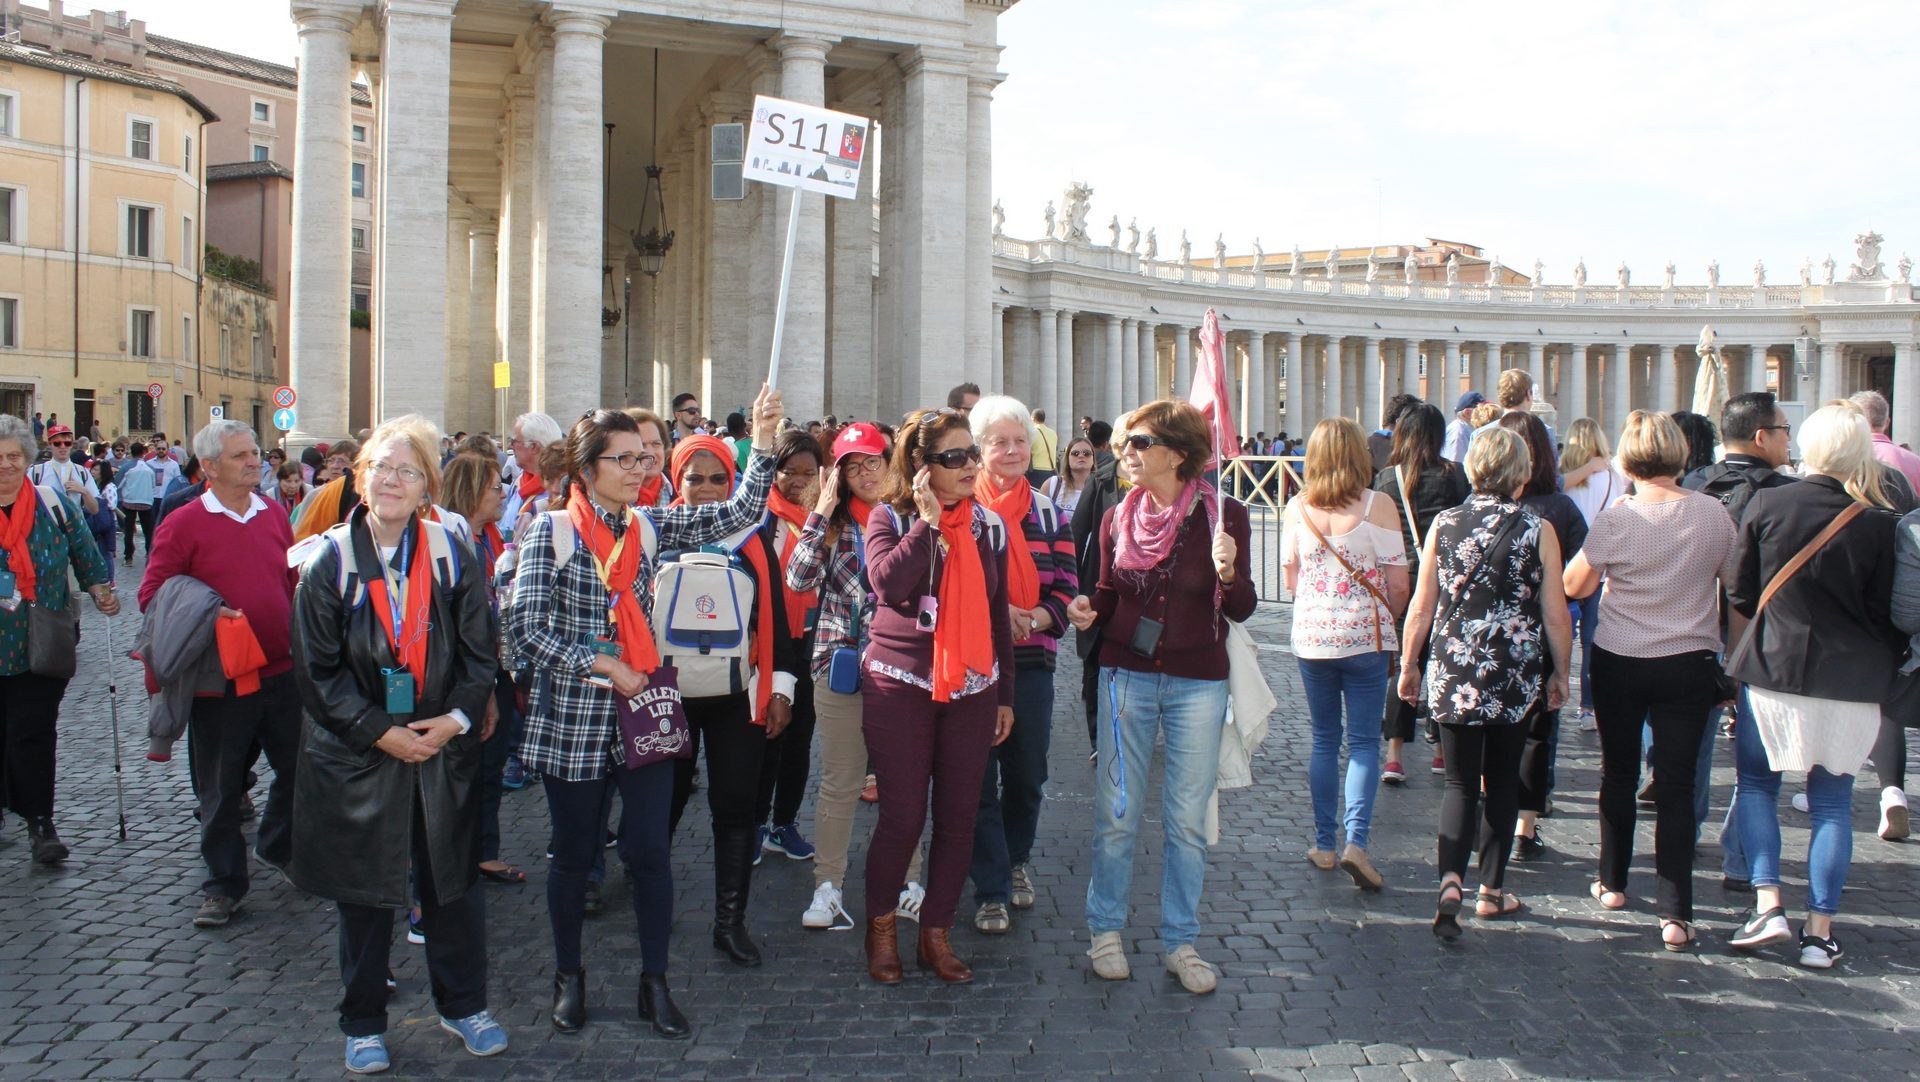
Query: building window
(7, 215)
(261, 153)
(139, 412)
(186, 340)
(186, 242)
(359, 238)
(140, 139)
(9, 323)
(262, 112)
(140, 333)
(9, 106)
(259, 359)
(186, 154)
(226, 349)
(362, 301)
(139, 232)
(359, 133)
(359, 180)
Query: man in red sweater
(228, 540)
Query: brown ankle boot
(937, 954)
(883, 950)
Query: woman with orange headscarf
(735, 726)
(937, 678)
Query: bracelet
(782, 696)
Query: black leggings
(783, 773)
(735, 748)
(579, 813)
(1477, 755)
(1536, 759)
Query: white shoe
(1800, 803)
(1894, 824)
(1109, 957)
(826, 910)
(910, 899)
(1587, 722)
(1195, 974)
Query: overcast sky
(1709, 129)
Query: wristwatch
(782, 696)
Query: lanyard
(397, 595)
(605, 570)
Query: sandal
(1686, 929)
(1601, 894)
(1506, 903)
(1446, 915)
(510, 874)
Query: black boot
(732, 872)
(47, 846)
(656, 1006)
(570, 1001)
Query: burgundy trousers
(916, 746)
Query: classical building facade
(1085, 327)
(513, 161)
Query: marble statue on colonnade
(1259, 257)
(1293, 269)
(1759, 274)
(1868, 268)
(1186, 248)
(1580, 273)
(1493, 270)
(1539, 274)
(999, 218)
(1153, 243)
(1333, 262)
(1905, 267)
(1713, 274)
(1079, 199)
(1113, 232)
(1453, 269)
(1622, 276)
(1806, 271)
(1826, 270)
(1050, 221)
(1373, 264)
(1220, 252)
(1410, 268)
(1133, 236)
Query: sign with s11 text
(809, 147)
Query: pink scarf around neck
(1146, 534)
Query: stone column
(1063, 369)
(1048, 373)
(1619, 390)
(1438, 382)
(803, 355)
(1129, 364)
(1113, 390)
(1410, 367)
(855, 386)
(322, 265)
(996, 381)
(930, 155)
(1906, 395)
(1182, 359)
(977, 225)
(1256, 419)
(1666, 379)
(513, 301)
(459, 293)
(1336, 374)
(1149, 362)
(1283, 368)
(568, 369)
(1830, 378)
(638, 388)
(1305, 398)
(1573, 381)
(1373, 384)
(1756, 370)
(483, 346)
(1537, 368)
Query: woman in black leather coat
(398, 709)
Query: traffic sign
(283, 419)
(155, 390)
(216, 413)
(284, 397)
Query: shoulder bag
(1379, 640)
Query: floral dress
(1489, 658)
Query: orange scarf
(16, 529)
(963, 635)
(650, 491)
(532, 486)
(415, 611)
(859, 511)
(798, 601)
(1012, 504)
(756, 554)
(618, 564)
(241, 657)
(490, 545)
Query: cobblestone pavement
(102, 975)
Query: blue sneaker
(759, 850)
(788, 840)
(515, 776)
(367, 1055)
(479, 1032)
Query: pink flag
(1209, 392)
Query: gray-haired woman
(42, 534)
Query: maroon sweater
(1193, 642)
(898, 569)
(245, 565)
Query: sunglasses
(61, 443)
(1080, 454)
(955, 458)
(695, 410)
(1140, 441)
(691, 479)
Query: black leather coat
(353, 804)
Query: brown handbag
(1379, 640)
(1792, 568)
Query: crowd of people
(634, 609)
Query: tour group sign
(808, 148)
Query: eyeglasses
(1140, 441)
(691, 479)
(955, 458)
(869, 464)
(1777, 428)
(628, 462)
(410, 475)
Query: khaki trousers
(843, 773)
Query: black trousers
(735, 749)
(788, 760)
(1480, 755)
(1675, 695)
(223, 732)
(1536, 759)
(456, 934)
(29, 709)
(131, 517)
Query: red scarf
(650, 491)
(963, 636)
(618, 564)
(756, 554)
(491, 545)
(16, 527)
(798, 601)
(414, 608)
(859, 511)
(1012, 504)
(532, 487)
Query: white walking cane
(113, 710)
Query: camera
(929, 615)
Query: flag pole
(786, 279)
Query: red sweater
(245, 565)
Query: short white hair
(19, 431)
(993, 409)
(538, 427)
(211, 440)
(1874, 405)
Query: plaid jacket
(836, 574)
(572, 732)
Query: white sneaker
(1800, 803)
(1587, 722)
(910, 899)
(1195, 974)
(1109, 956)
(826, 910)
(1894, 823)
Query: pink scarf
(1145, 536)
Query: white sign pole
(786, 279)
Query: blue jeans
(1134, 706)
(1586, 620)
(1362, 678)
(1010, 790)
(1757, 813)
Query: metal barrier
(1264, 483)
